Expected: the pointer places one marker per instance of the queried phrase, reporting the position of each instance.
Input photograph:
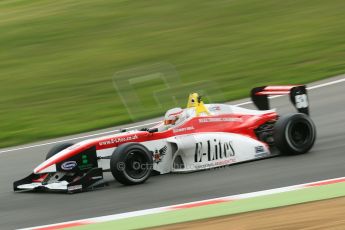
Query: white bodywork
(198, 151)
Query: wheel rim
(300, 134)
(136, 165)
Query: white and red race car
(213, 135)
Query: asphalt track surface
(326, 160)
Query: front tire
(294, 134)
(57, 148)
(131, 163)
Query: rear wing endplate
(298, 96)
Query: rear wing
(298, 96)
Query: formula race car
(201, 136)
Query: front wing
(91, 180)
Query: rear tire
(294, 134)
(131, 164)
(57, 148)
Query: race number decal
(301, 101)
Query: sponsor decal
(215, 164)
(213, 150)
(301, 101)
(214, 108)
(96, 177)
(159, 154)
(118, 140)
(85, 164)
(69, 165)
(75, 187)
(84, 159)
(183, 129)
(260, 151)
(220, 119)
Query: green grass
(57, 58)
(223, 209)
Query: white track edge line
(102, 133)
(163, 209)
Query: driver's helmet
(172, 115)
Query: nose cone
(48, 169)
(50, 164)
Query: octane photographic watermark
(143, 167)
(153, 89)
(135, 166)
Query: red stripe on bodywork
(279, 88)
(199, 204)
(176, 113)
(326, 182)
(62, 226)
(273, 93)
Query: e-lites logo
(69, 165)
(211, 150)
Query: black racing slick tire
(131, 163)
(57, 148)
(294, 134)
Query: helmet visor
(169, 122)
